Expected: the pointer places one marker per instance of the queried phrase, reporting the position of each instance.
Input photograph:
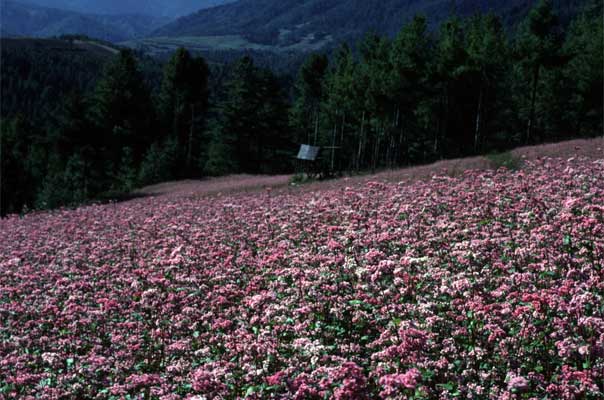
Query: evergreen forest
(79, 125)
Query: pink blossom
(276, 379)
(393, 382)
(341, 289)
(518, 384)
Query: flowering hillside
(488, 285)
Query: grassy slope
(96, 49)
(589, 148)
(160, 45)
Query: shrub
(505, 160)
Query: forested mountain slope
(287, 22)
(18, 19)
(160, 8)
(35, 71)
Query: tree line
(116, 128)
(471, 87)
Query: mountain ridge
(286, 22)
(157, 8)
(18, 19)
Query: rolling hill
(158, 8)
(38, 73)
(17, 19)
(321, 23)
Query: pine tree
(309, 92)
(375, 71)
(343, 104)
(18, 184)
(410, 58)
(274, 140)
(184, 102)
(487, 54)
(585, 43)
(71, 129)
(251, 124)
(238, 114)
(449, 68)
(538, 47)
(123, 111)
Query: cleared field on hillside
(159, 45)
(473, 284)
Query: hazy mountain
(17, 19)
(158, 8)
(290, 22)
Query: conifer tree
(487, 54)
(585, 70)
(538, 47)
(343, 104)
(410, 58)
(449, 67)
(309, 90)
(123, 111)
(18, 184)
(251, 124)
(374, 73)
(184, 102)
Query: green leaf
(250, 391)
(6, 388)
(428, 375)
(567, 240)
(45, 382)
(449, 386)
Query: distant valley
(310, 25)
(272, 26)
